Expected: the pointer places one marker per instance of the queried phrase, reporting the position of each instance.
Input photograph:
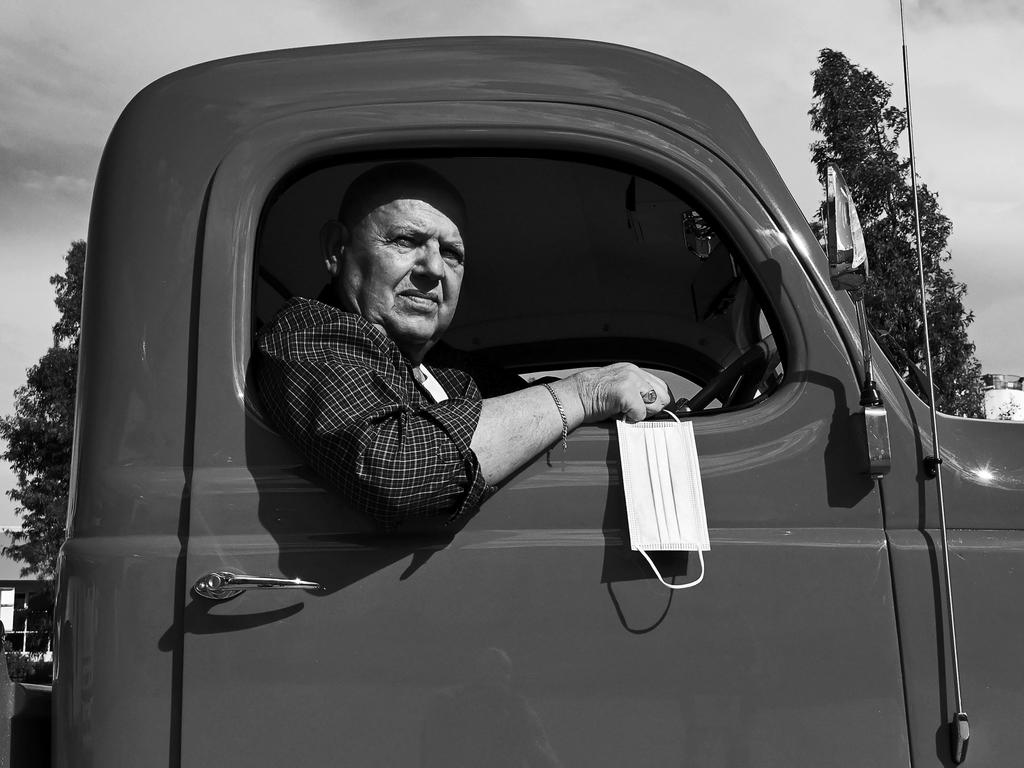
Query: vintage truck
(620, 208)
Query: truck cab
(619, 208)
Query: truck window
(570, 263)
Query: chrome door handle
(222, 585)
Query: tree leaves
(39, 433)
(860, 131)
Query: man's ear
(333, 239)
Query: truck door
(531, 634)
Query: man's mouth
(420, 298)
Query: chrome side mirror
(847, 255)
(848, 270)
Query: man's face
(400, 267)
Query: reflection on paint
(988, 474)
(984, 474)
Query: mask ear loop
(700, 554)
(657, 573)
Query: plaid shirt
(341, 390)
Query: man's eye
(404, 240)
(450, 254)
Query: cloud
(984, 11)
(53, 121)
(53, 169)
(1000, 319)
(59, 185)
(52, 97)
(414, 18)
(45, 190)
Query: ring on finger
(649, 397)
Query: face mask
(664, 497)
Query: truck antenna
(959, 728)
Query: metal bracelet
(561, 412)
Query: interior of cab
(571, 262)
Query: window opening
(570, 263)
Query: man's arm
(332, 383)
(516, 427)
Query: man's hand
(618, 390)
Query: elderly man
(354, 378)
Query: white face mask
(664, 497)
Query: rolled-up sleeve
(334, 390)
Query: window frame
(278, 149)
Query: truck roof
(247, 90)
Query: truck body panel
(529, 630)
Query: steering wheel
(740, 380)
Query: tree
(39, 434)
(860, 132)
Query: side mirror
(847, 255)
(848, 269)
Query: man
(397, 424)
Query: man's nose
(430, 263)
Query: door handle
(223, 585)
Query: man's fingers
(644, 396)
(657, 395)
(636, 410)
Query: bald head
(385, 183)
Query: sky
(70, 66)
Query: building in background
(23, 609)
(1004, 397)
